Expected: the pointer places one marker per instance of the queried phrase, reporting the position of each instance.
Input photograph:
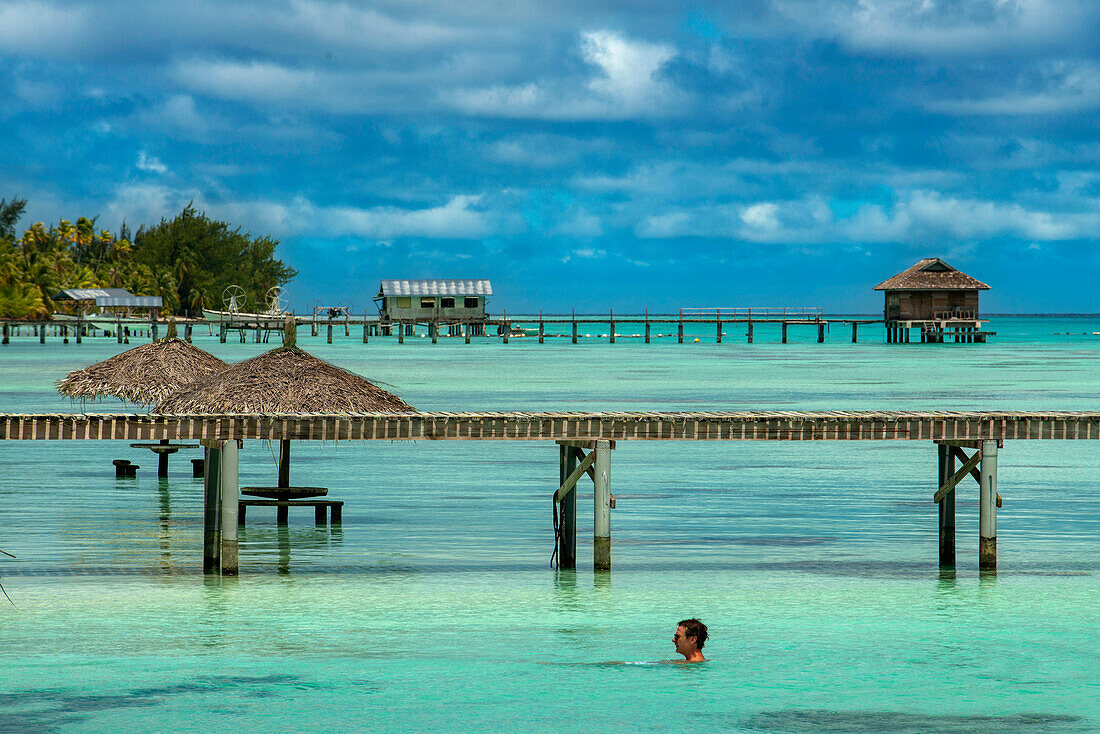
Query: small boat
(215, 316)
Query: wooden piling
(542, 330)
(749, 334)
(946, 507)
(222, 332)
(211, 541)
(284, 463)
(507, 328)
(784, 332)
(574, 328)
(821, 332)
(466, 332)
(400, 333)
(330, 331)
(567, 523)
(42, 334)
(7, 337)
(680, 331)
(230, 492)
(987, 508)
(612, 324)
(601, 522)
(365, 327)
(647, 326)
(718, 333)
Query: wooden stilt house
(934, 297)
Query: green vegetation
(188, 261)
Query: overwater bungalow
(934, 297)
(433, 301)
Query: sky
(581, 155)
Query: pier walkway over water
(576, 433)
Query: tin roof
(88, 294)
(931, 274)
(130, 301)
(435, 287)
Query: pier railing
(763, 312)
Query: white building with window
(439, 300)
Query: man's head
(691, 635)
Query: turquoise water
(434, 605)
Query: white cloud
(761, 216)
(922, 217)
(251, 81)
(458, 218)
(943, 27)
(150, 164)
(42, 29)
(580, 224)
(626, 84)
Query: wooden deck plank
(525, 426)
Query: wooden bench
(282, 509)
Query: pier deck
(983, 433)
(596, 426)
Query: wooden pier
(585, 442)
(575, 328)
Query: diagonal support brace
(571, 481)
(958, 476)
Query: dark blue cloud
(627, 155)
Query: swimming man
(691, 635)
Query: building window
(404, 302)
(427, 302)
(472, 301)
(446, 303)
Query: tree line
(188, 261)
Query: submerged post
(284, 463)
(647, 326)
(946, 507)
(567, 527)
(749, 335)
(211, 542)
(987, 508)
(784, 332)
(601, 525)
(230, 498)
(855, 327)
(542, 329)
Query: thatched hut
(143, 375)
(931, 290)
(284, 380)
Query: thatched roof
(284, 380)
(931, 274)
(143, 374)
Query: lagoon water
(434, 606)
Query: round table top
(170, 448)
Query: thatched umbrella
(145, 374)
(284, 380)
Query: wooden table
(162, 450)
(283, 497)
